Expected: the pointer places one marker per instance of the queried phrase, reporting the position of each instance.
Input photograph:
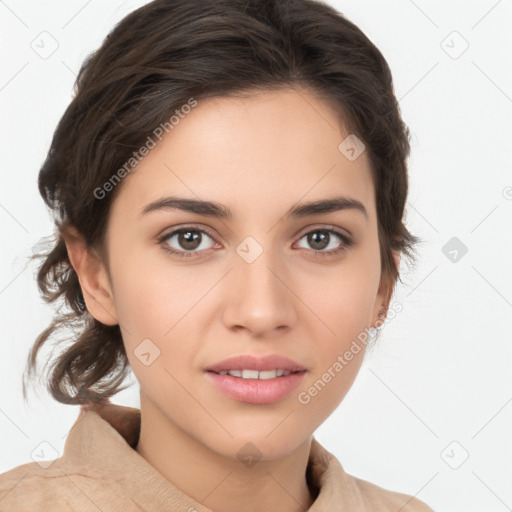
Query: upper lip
(250, 362)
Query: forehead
(259, 154)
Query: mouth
(253, 379)
(248, 366)
(257, 375)
(256, 387)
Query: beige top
(100, 471)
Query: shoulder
(378, 497)
(56, 488)
(336, 485)
(25, 487)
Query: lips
(256, 391)
(254, 363)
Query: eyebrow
(219, 211)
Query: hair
(149, 65)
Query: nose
(261, 299)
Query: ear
(93, 277)
(384, 296)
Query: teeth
(255, 374)
(267, 374)
(249, 374)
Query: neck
(219, 482)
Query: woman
(228, 186)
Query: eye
(188, 239)
(320, 239)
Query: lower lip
(256, 391)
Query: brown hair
(151, 63)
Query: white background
(442, 369)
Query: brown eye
(320, 239)
(187, 241)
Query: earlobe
(93, 278)
(397, 256)
(384, 298)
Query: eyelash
(346, 242)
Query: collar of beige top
(105, 437)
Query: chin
(258, 446)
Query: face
(258, 283)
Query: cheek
(152, 294)
(340, 330)
(339, 351)
(342, 301)
(159, 310)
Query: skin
(259, 156)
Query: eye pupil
(188, 239)
(314, 240)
